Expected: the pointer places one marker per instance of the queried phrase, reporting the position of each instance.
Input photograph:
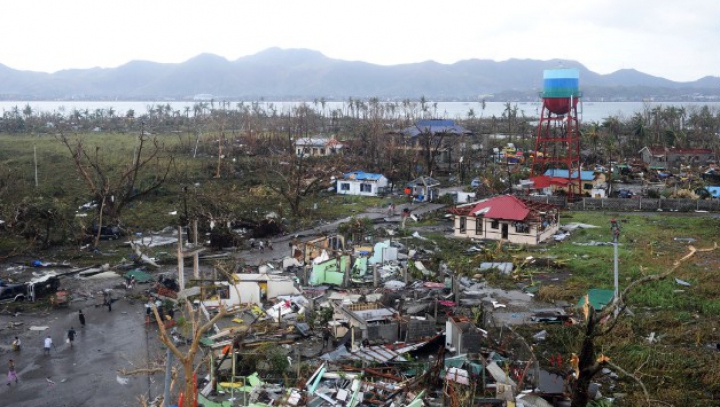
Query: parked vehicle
(12, 292)
(31, 290)
(106, 232)
(475, 183)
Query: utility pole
(36, 165)
(615, 228)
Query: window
(495, 224)
(521, 227)
(463, 224)
(479, 226)
(345, 186)
(365, 187)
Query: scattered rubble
(367, 323)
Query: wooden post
(456, 290)
(36, 165)
(196, 256)
(181, 261)
(375, 275)
(352, 337)
(196, 265)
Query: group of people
(48, 345)
(261, 244)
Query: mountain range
(301, 74)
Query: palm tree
(639, 130)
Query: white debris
(682, 282)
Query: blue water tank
(561, 83)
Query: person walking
(12, 374)
(107, 298)
(81, 317)
(71, 336)
(48, 345)
(16, 344)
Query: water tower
(557, 146)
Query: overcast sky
(678, 40)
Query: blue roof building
(362, 183)
(435, 126)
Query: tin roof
(558, 173)
(435, 126)
(361, 176)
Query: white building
(317, 147)
(362, 183)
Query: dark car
(12, 292)
(106, 232)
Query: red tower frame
(557, 144)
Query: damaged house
(668, 158)
(317, 147)
(506, 218)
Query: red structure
(557, 144)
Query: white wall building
(362, 183)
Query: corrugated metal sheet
(378, 353)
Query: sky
(677, 40)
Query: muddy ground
(85, 374)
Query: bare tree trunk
(96, 242)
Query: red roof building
(506, 218)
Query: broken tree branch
(628, 374)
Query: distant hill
(300, 74)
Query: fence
(631, 204)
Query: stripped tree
(113, 184)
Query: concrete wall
(384, 332)
(375, 187)
(419, 329)
(470, 342)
